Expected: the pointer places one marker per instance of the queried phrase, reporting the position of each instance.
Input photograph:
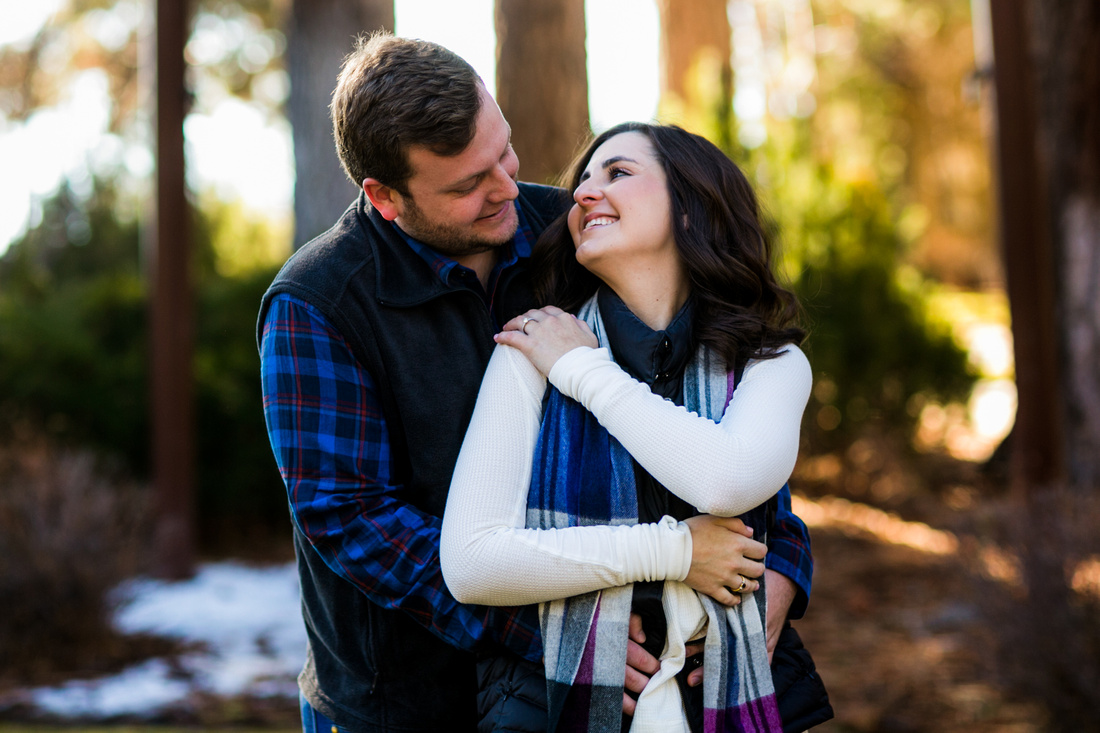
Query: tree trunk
(696, 73)
(1036, 441)
(171, 310)
(320, 34)
(1047, 67)
(1066, 46)
(542, 82)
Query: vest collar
(647, 355)
(403, 278)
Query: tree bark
(1047, 73)
(542, 82)
(171, 313)
(696, 72)
(1066, 46)
(320, 34)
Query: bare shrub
(69, 533)
(1039, 587)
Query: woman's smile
(622, 207)
(597, 220)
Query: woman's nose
(586, 193)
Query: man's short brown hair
(396, 92)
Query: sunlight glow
(1086, 578)
(465, 28)
(241, 153)
(886, 527)
(623, 73)
(236, 149)
(23, 19)
(53, 143)
(995, 562)
(622, 76)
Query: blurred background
(930, 171)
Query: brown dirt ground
(897, 632)
(894, 642)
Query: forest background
(874, 134)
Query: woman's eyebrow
(607, 164)
(617, 159)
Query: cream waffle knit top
(725, 468)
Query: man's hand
(725, 560)
(695, 659)
(640, 664)
(781, 592)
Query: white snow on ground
(247, 621)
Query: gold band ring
(744, 582)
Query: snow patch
(245, 623)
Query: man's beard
(448, 239)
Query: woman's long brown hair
(741, 310)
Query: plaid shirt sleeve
(330, 441)
(789, 552)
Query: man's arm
(789, 552)
(789, 568)
(330, 441)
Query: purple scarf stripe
(583, 476)
(588, 659)
(755, 715)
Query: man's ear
(384, 199)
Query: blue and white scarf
(582, 476)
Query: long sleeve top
(723, 468)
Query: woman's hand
(725, 560)
(545, 335)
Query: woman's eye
(614, 173)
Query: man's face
(464, 204)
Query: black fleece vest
(426, 345)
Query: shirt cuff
(774, 561)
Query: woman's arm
(489, 557)
(723, 468)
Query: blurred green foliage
(73, 327)
(73, 341)
(73, 352)
(877, 353)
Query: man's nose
(506, 188)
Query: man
(373, 341)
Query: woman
(664, 260)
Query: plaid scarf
(583, 476)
